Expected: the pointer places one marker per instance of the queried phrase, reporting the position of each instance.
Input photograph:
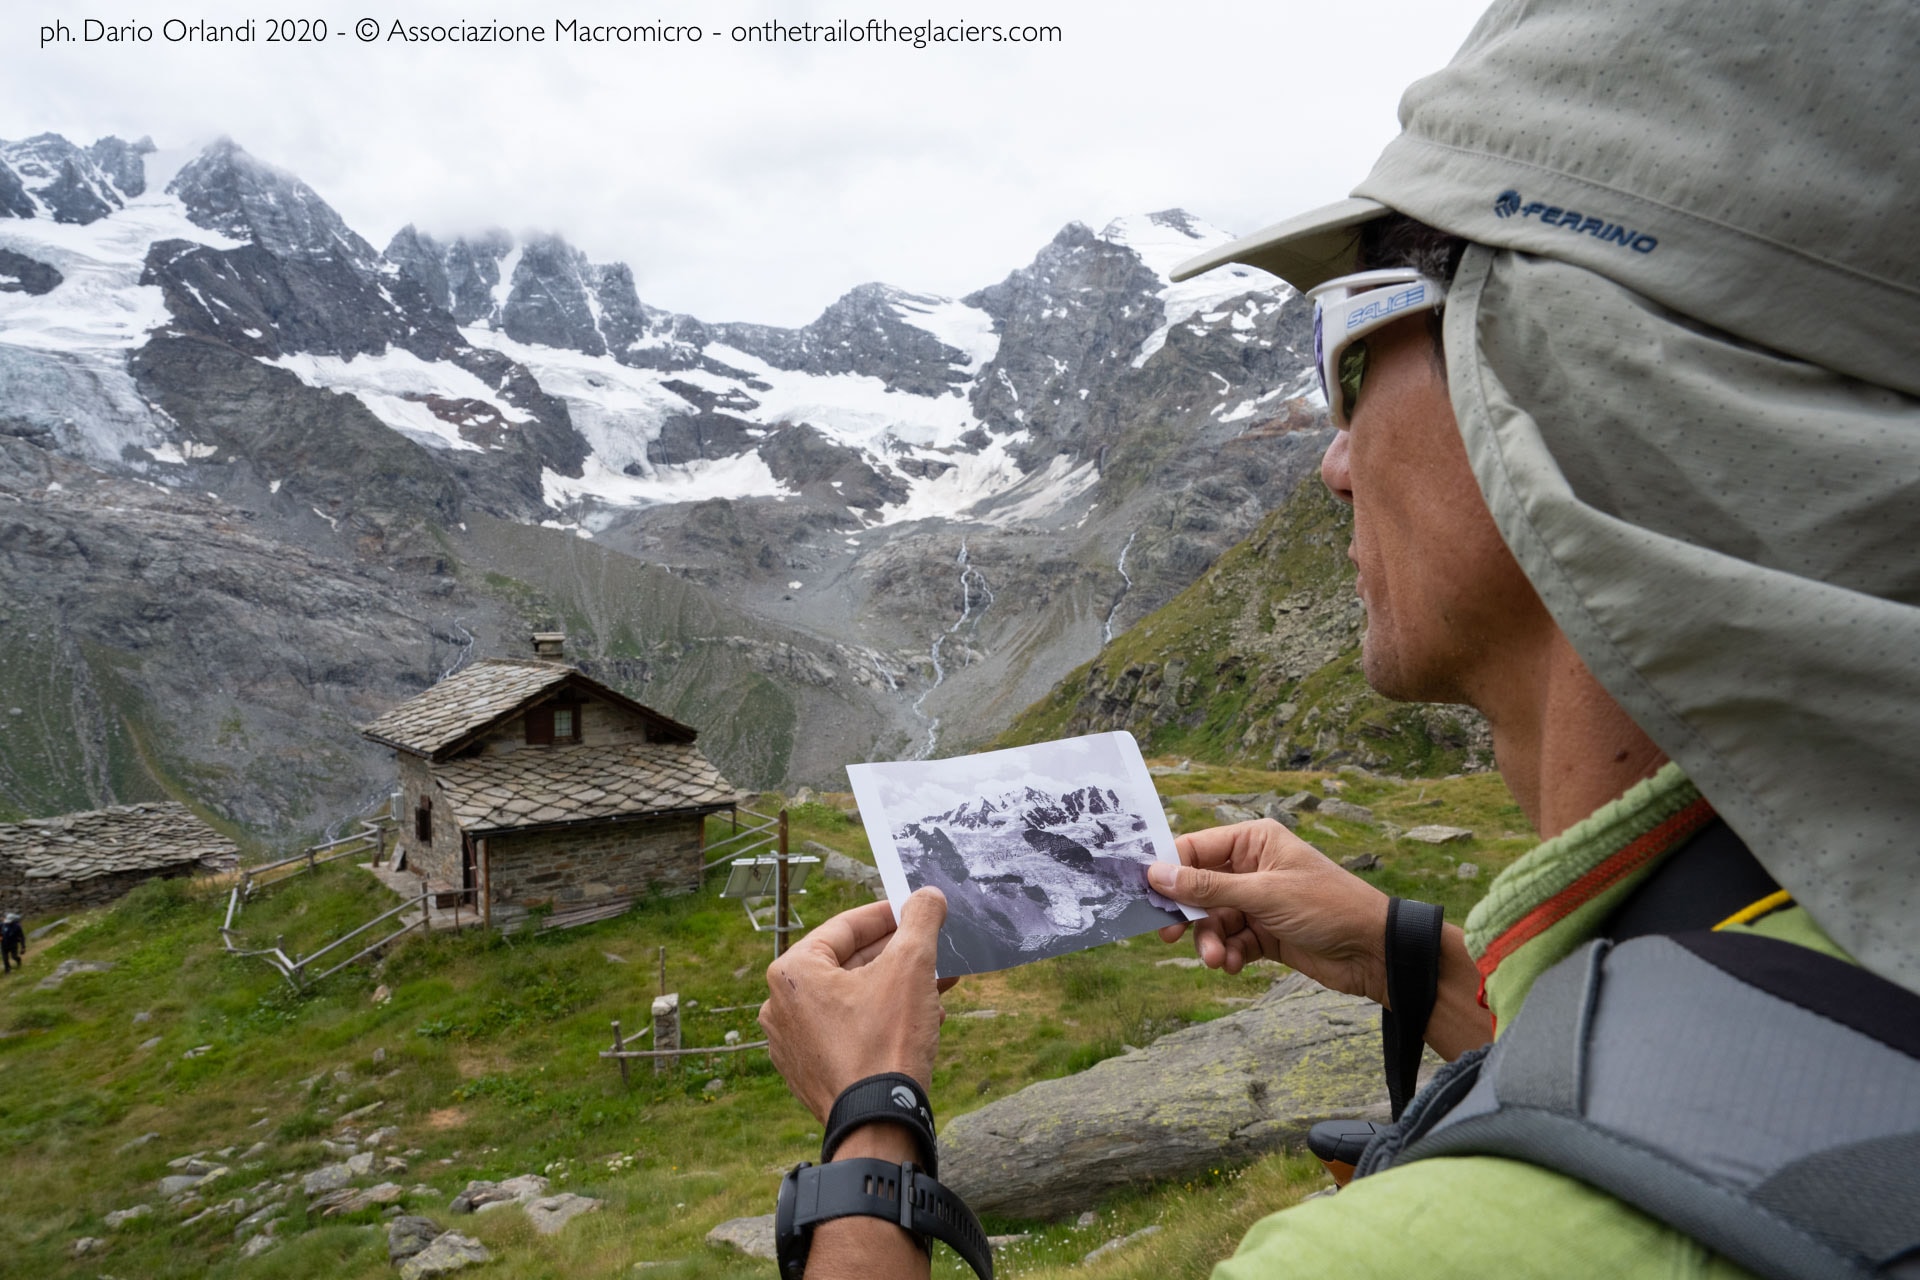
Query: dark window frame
(539, 728)
(423, 820)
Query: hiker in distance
(1620, 338)
(13, 942)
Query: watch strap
(891, 1097)
(900, 1193)
(1413, 984)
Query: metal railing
(767, 823)
(295, 971)
(369, 838)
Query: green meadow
(482, 1050)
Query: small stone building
(525, 783)
(90, 859)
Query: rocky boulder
(449, 1252)
(1229, 1090)
(751, 1236)
(480, 1195)
(550, 1213)
(1435, 834)
(409, 1235)
(835, 865)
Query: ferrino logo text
(1508, 203)
(1406, 299)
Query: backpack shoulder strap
(1760, 1097)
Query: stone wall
(438, 862)
(41, 897)
(613, 859)
(602, 724)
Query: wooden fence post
(780, 892)
(666, 1027)
(618, 1045)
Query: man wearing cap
(1622, 339)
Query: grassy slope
(1257, 663)
(490, 1066)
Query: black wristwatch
(862, 1187)
(905, 1193)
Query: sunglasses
(1345, 310)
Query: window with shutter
(566, 725)
(540, 726)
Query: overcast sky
(758, 182)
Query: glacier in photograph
(1029, 873)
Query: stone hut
(90, 859)
(525, 783)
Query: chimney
(550, 645)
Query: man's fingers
(867, 954)
(849, 933)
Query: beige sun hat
(1684, 355)
(1303, 251)
(1750, 163)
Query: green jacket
(1483, 1216)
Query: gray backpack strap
(1762, 1098)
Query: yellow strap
(1754, 910)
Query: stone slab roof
(133, 837)
(484, 694)
(540, 786)
(471, 699)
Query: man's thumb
(1194, 886)
(920, 919)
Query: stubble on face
(1446, 601)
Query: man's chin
(1389, 675)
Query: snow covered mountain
(916, 511)
(1028, 873)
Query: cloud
(755, 181)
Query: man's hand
(1271, 895)
(857, 997)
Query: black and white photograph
(1041, 850)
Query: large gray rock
(1346, 810)
(835, 865)
(67, 968)
(328, 1178)
(1228, 1090)
(385, 1193)
(409, 1235)
(1436, 834)
(751, 1236)
(449, 1252)
(550, 1213)
(480, 1195)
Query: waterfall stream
(1106, 635)
(972, 582)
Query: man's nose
(1333, 469)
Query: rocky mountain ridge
(884, 532)
(1257, 663)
